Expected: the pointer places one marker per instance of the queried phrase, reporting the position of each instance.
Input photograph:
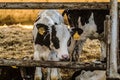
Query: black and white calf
(89, 75)
(86, 24)
(50, 36)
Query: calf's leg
(38, 72)
(53, 73)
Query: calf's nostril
(65, 57)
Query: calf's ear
(42, 29)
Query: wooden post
(107, 41)
(112, 72)
(118, 39)
(118, 53)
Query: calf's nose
(65, 57)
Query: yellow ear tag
(41, 30)
(14, 66)
(76, 36)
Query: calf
(86, 24)
(89, 75)
(50, 37)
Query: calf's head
(55, 38)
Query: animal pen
(112, 66)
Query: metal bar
(113, 47)
(53, 5)
(52, 64)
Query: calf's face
(60, 37)
(55, 38)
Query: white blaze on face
(63, 35)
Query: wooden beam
(52, 64)
(53, 5)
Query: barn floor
(16, 42)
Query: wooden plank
(53, 5)
(52, 64)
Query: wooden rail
(53, 5)
(52, 64)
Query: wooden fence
(111, 50)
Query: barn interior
(16, 39)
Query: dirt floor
(16, 42)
